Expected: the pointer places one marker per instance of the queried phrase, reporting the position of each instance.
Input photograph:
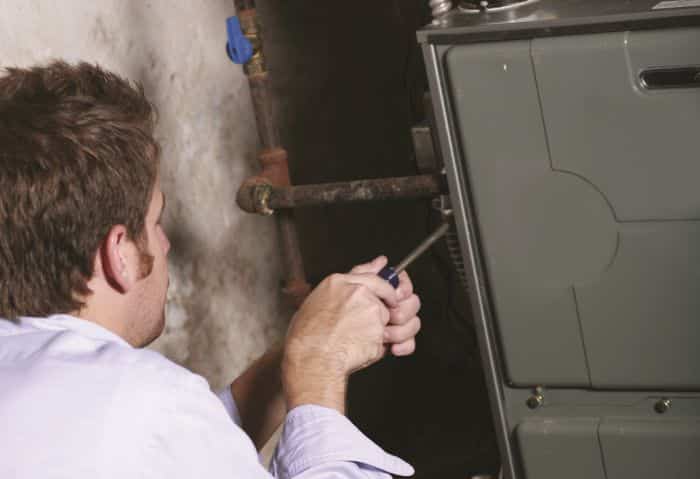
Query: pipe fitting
(254, 195)
(250, 25)
(275, 166)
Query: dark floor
(349, 79)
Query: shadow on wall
(224, 307)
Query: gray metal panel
(639, 149)
(541, 231)
(651, 449)
(466, 231)
(641, 319)
(556, 448)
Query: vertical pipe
(261, 94)
(244, 5)
(273, 157)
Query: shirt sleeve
(188, 430)
(319, 443)
(189, 433)
(226, 397)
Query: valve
(238, 48)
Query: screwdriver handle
(388, 273)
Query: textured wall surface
(223, 308)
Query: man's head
(80, 200)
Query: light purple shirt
(77, 401)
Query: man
(83, 280)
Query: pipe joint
(250, 25)
(275, 166)
(254, 196)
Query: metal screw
(536, 400)
(662, 405)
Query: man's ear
(117, 256)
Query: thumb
(374, 266)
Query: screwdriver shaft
(413, 255)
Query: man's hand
(404, 322)
(343, 326)
(338, 330)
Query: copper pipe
(265, 197)
(273, 158)
(244, 5)
(261, 94)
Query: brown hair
(77, 156)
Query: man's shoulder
(79, 356)
(151, 391)
(148, 371)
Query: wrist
(306, 381)
(332, 397)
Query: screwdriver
(391, 274)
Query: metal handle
(672, 77)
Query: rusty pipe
(273, 157)
(244, 5)
(264, 197)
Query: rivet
(662, 405)
(536, 400)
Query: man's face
(149, 317)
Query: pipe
(265, 197)
(439, 9)
(244, 5)
(273, 158)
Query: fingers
(398, 334)
(374, 266)
(380, 287)
(404, 349)
(405, 310)
(405, 288)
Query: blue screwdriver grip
(388, 273)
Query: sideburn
(145, 258)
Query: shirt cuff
(226, 397)
(314, 435)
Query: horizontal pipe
(263, 197)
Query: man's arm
(343, 326)
(258, 392)
(259, 398)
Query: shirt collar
(71, 323)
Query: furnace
(570, 132)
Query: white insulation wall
(224, 309)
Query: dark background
(349, 81)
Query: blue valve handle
(238, 48)
(388, 273)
